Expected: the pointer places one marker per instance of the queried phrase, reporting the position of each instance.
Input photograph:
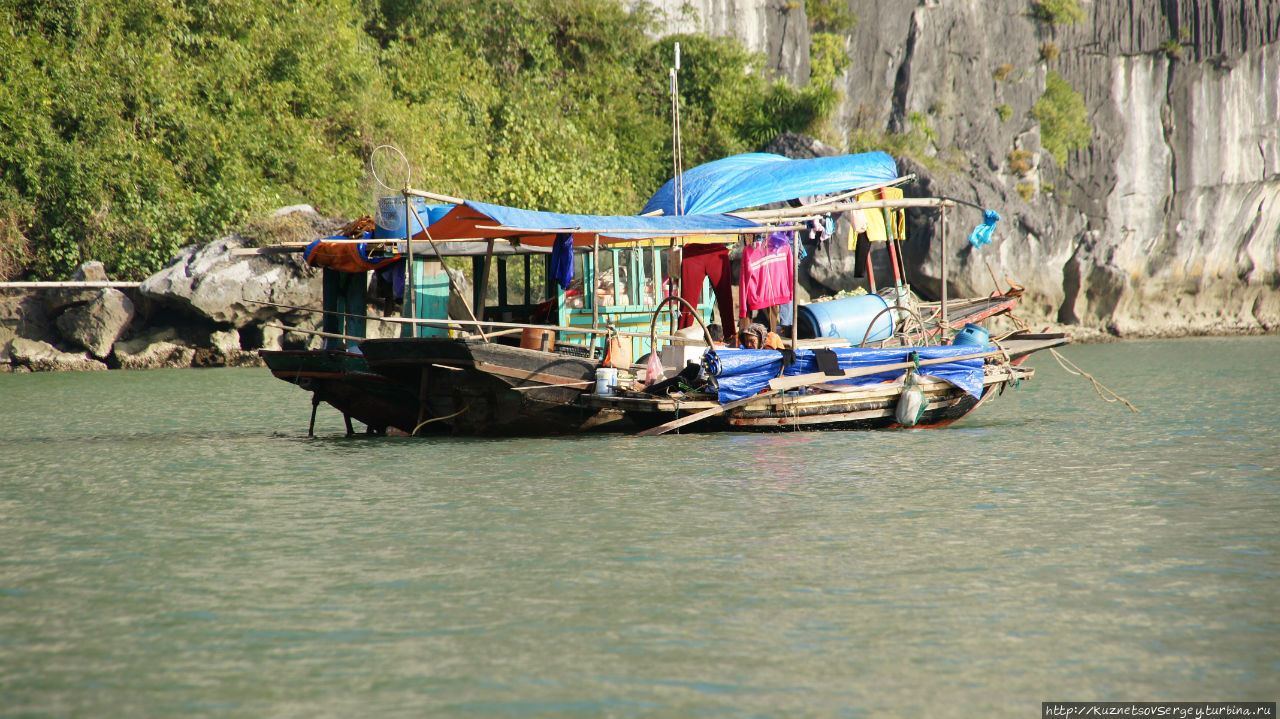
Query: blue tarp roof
(540, 228)
(758, 178)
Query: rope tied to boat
(437, 419)
(1097, 386)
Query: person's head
(716, 332)
(752, 336)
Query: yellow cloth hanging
(877, 230)
(875, 220)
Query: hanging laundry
(767, 274)
(876, 231)
(562, 260)
(859, 219)
(700, 262)
(344, 255)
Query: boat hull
(345, 381)
(484, 388)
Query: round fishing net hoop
(389, 167)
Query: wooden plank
(70, 285)
(520, 374)
(699, 416)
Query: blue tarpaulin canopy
(482, 220)
(759, 178)
(742, 373)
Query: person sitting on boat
(717, 334)
(756, 336)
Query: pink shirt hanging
(767, 274)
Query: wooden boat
(471, 376)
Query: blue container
(848, 318)
(972, 334)
(389, 222)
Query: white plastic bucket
(606, 380)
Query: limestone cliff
(1167, 223)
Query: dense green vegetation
(1064, 120)
(129, 128)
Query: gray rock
(158, 349)
(778, 30)
(96, 325)
(57, 300)
(44, 357)
(24, 315)
(213, 283)
(222, 349)
(91, 271)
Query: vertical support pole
(315, 404)
(945, 325)
(408, 309)
(795, 287)
(484, 282)
(871, 266)
(589, 284)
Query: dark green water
(173, 545)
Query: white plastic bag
(912, 403)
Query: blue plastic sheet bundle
(742, 373)
(981, 234)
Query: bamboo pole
(484, 280)
(436, 196)
(318, 333)
(795, 289)
(69, 284)
(595, 268)
(407, 309)
(465, 323)
(844, 207)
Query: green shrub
(131, 128)
(830, 16)
(828, 57)
(1064, 123)
(1026, 191)
(1004, 111)
(1049, 51)
(1001, 72)
(1058, 12)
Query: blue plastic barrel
(389, 223)
(972, 334)
(848, 318)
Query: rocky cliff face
(1167, 223)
